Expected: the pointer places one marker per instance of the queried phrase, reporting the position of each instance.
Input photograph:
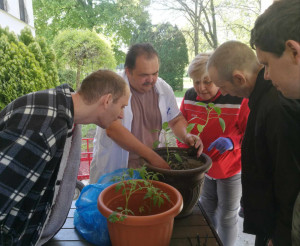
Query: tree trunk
(196, 29)
(214, 24)
(79, 64)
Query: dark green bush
(170, 44)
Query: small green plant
(209, 108)
(153, 196)
(166, 130)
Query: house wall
(10, 16)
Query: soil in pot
(187, 177)
(188, 157)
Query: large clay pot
(188, 182)
(149, 230)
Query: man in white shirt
(152, 102)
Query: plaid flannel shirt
(33, 131)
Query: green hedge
(27, 64)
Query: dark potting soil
(188, 156)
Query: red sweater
(235, 114)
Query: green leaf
(222, 124)
(130, 172)
(119, 186)
(200, 128)
(190, 127)
(155, 130)
(211, 105)
(218, 110)
(166, 196)
(155, 177)
(201, 104)
(113, 217)
(128, 211)
(160, 201)
(179, 139)
(143, 172)
(122, 218)
(178, 158)
(165, 126)
(155, 144)
(155, 199)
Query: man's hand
(157, 161)
(221, 144)
(195, 141)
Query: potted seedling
(140, 211)
(210, 107)
(186, 175)
(166, 131)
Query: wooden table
(187, 231)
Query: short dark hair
(136, 50)
(279, 23)
(100, 83)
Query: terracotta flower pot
(188, 182)
(150, 229)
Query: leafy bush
(26, 65)
(170, 44)
(83, 51)
(67, 76)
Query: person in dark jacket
(276, 38)
(270, 177)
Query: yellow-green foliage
(26, 65)
(82, 51)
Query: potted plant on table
(187, 171)
(138, 208)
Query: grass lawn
(180, 93)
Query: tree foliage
(170, 44)
(212, 20)
(26, 65)
(116, 19)
(83, 51)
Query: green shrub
(171, 47)
(67, 76)
(24, 66)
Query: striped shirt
(33, 131)
(235, 114)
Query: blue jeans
(220, 199)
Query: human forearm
(178, 126)
(126, 140)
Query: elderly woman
(222, 190)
